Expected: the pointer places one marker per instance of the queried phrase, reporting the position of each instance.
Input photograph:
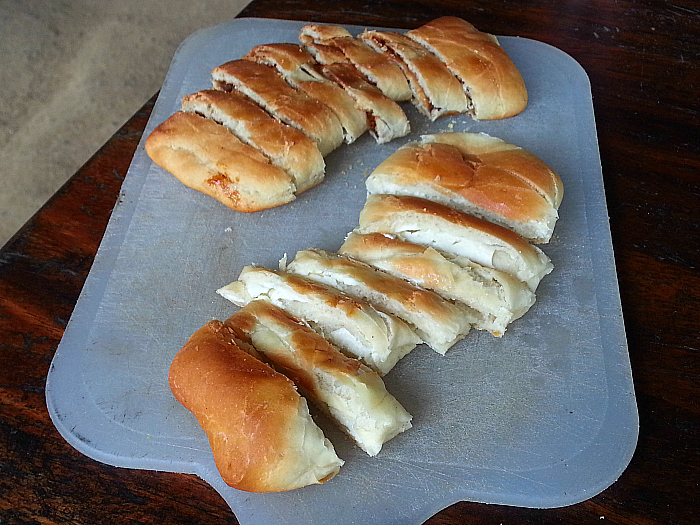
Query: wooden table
(643, 59)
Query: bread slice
(284, 145)
(385, 118)
(259, 428)
(491, 80)
(380, 340)
(436, 91)
(268, 89)
(209, 158)
(500, 154)
(439, 322)
(498, 297)
(300, 70)
(379, 70)
(465, 171)
(451, 231)
(350, 392)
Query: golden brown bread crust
(348, 391)
(477, 174)
(250, 412)
(509, 157)
(498, 296)
(380, 206)
(284, 145)
(444, 169)
(438, 322)
(450, 230)
(386, 120)
(266, 87)
(381, 71)
(491, 80)
(301, 70)
(436, 91)
(311, 349)
(207, 157)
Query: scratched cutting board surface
(542, 417)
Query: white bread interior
(380, 340)
(437, 321)
(284, 145)
(498, 297)
(350, 392)
(451, 231)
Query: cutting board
(544, 416)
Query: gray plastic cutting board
(542, 417)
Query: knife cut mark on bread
(385, 118)
(466, 171)
(284, 145)
(380, 340)
(267, 88)
(498, 297)
(492, 82)
(299, 69)
(207, 157)
(260, 431)
(331, 44)
(437, 321)
(436, 91)
(452, 231)
(347, 390)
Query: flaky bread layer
(259, 428)
(491, 80)
(436, 91)
(380, 340)
(285, 146)
(451, 231)
(439, 322)
(267, 88)
(207, 157)
(497, 297)
(350, 392)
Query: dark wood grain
(643, 60)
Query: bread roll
(259, 428)
(498, 297)
(351, 393)
(439, 322)
(436, 91)
(209, 158)
(493, 84)
(463, 171)
(284, 145)
(452, 231)
(267, 88)
(386, 119)
(300, 69)
(378, 339)
(383, 73)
